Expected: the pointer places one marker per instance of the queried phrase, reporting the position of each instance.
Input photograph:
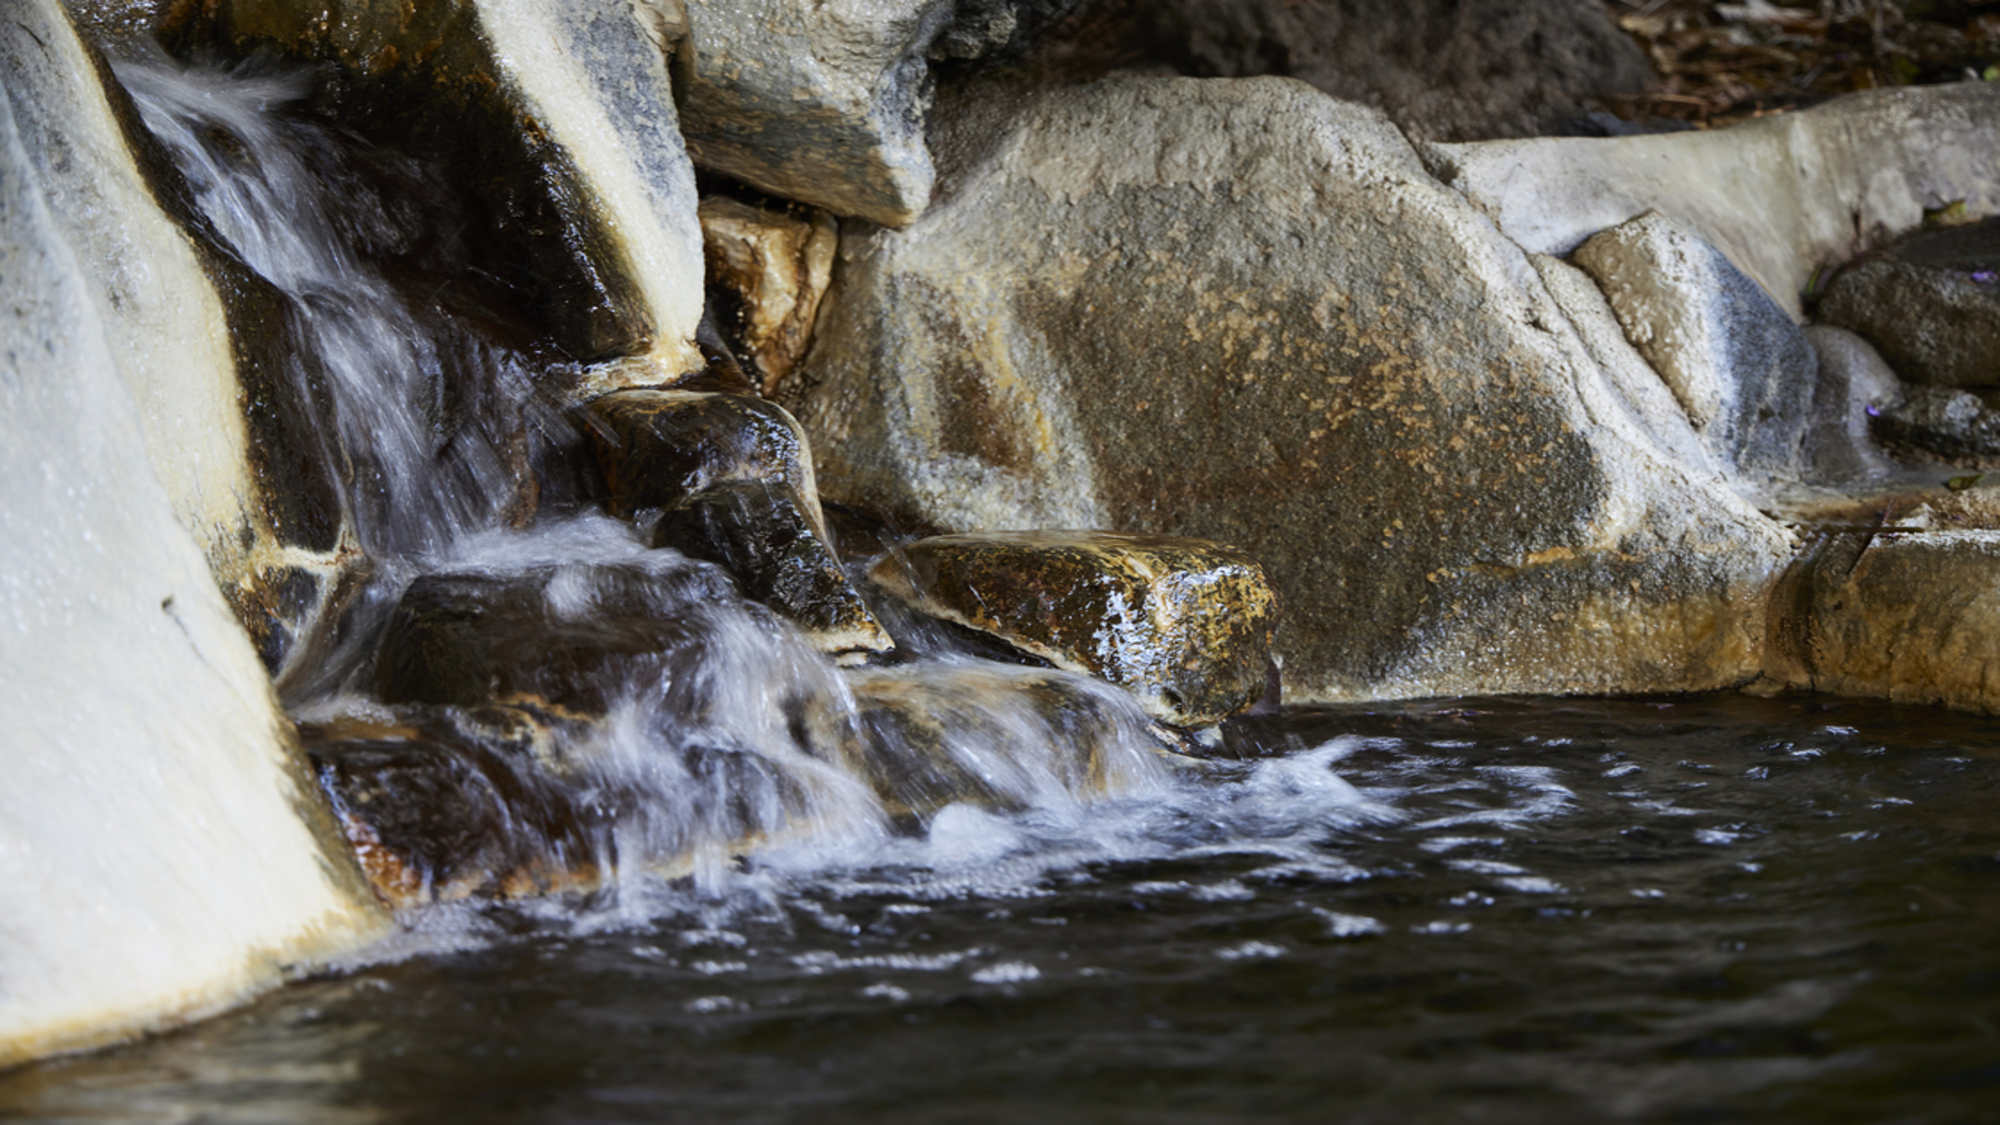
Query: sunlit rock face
(1241, 310)
(161, 852)
(1737, 364)
(1803, 191)
(1907, 617)
(564, 112)
(1183, 624)
(772, 269)
(824, 102)
(1930, 304)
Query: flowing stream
(1714, 908)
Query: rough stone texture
(1930, 304)
(1441, 69)
(775, 269)
(561, 109)
(568, 641)
(658, 447)
(1942, 421)
(1910, 618)
(824, 102)
(758, 532)
(1183, 624)
(1735, 361)
(1854, 385)
(1782, 196)
(1241, 310)
(162, 852)
(997, 737)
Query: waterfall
(734, 734)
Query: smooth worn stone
(824, 102)
(1183, 624)
(758, 532)
(571, 641)
(1243, 311)
(775, 269)
(999, 738)
(658, 447)
(1803, 190)
(1736, 362)
(437, 821)
(162, 852)
(1930, 304)
(562, 112)
(1854, 385)
(1905, 617)
(1940, 420)
(1441, 69)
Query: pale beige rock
(778, 268)
(162, 851)
(1781, 196)
(1243, 311)
(1910, 618)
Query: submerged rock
(1243, 311)
(1930, 305)
(1905, 617)
(570, 641)
(1183, 624)
(775, 269)
(759, 533)
(1735, 361)
(658, 447)
(1001, 738)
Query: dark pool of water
(1709, 909)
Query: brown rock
(759, 532)
(658, 447)
(1930, 305)
(775, 268)
(1183, 624)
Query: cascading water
(738, 734)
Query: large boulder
(1739, 367)
(824, 102)
(1241, 310)
(162, 851)
(1800, 192)
(1183, 624)
(1930, 304)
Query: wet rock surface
(572, 641)
(759, 532)
(773, 269)
(1905, 617)
(1733, 359)
(1930, 304)
(1184, 625)
(658, 447)
(1243, 311)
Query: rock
(1183, 624)
(1930, 305)
(775, 270)
(437, 821)
(1738, 365)
(824, 102)
(569, 641)
(1909, 618)
(658, 447)
(759, 533)
(1942, 421)
(1854, 385)
(1805, 190)
(562, 112)
(1441, 69)
(164, 854)
(1243, 311)
(1001, 738)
